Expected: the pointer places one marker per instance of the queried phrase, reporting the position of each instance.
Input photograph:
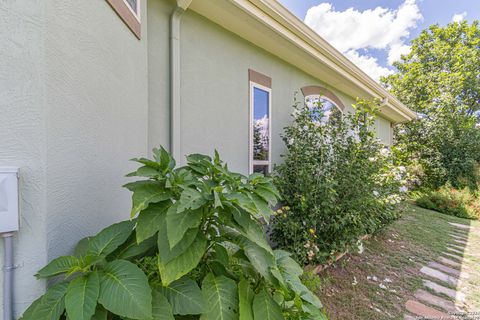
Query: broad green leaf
(81, 297)
(165, 160)
(146, 192)
(82, 247)
(145, 171)
(184, 263)
(221, 254)
(262, 207)
(166, 253)
(220, 293)
(131, 248)
(217, 201)
(161, 308)
(245, 299)
(286, 264)
(314, 313)
(52, 304)
(299, 288)
(266, 194)
(190, 199)
(149, 220)
(100, 313)
(252, 229)
(178, 222)
(110, 238)
(58, 266)
(29, 314)
(124, 290)
(260, 259)
(184, 296)
(265, 308)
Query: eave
(270, 26)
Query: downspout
(175, 78)
(8, 268)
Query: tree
(440, 80)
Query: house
(87, 85)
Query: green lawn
(393, 259)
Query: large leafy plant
(338, 182)
(194, 249)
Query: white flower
(403, 189)
(402, 169)
(295, 113)
(384, 152)
(291, 141)
(382, 286)
(375, 193)
(372, 159)
(305, 128)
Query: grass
(394, 256)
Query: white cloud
(368, 64)
(459, 17)
(379, 28)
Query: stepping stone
(456, 246)
(441, 267)
(420, 309)
(439, 275)
(458, 296)
(461, 226)
(453, 256)
(429, 298)
(450, 262)
(464, 243)
(456, 251)
(458, 237)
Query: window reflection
(261, 139)
(321, 108)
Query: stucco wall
(74, 106)
(215, 87)
(215, 91)
(23, 137)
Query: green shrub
(194, 247)
(461, 203)
(338, 183)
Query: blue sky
(373, 33)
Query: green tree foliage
(338, 183)
(194, 249)
(440, 80)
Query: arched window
(323, 99)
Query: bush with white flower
(338, 181)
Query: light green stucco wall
(74, 109)
(215, 89)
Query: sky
(374, 33)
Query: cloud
(379, 28)
(459, 17)
(368, 64)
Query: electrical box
(8, 199)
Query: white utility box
(8, 199)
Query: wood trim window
(260, 123)
(129, 12)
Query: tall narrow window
(260, 128)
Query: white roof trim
(281, 23)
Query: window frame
(131, 18)
(252, 162)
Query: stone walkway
(442, 281)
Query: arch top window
(323, 99)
